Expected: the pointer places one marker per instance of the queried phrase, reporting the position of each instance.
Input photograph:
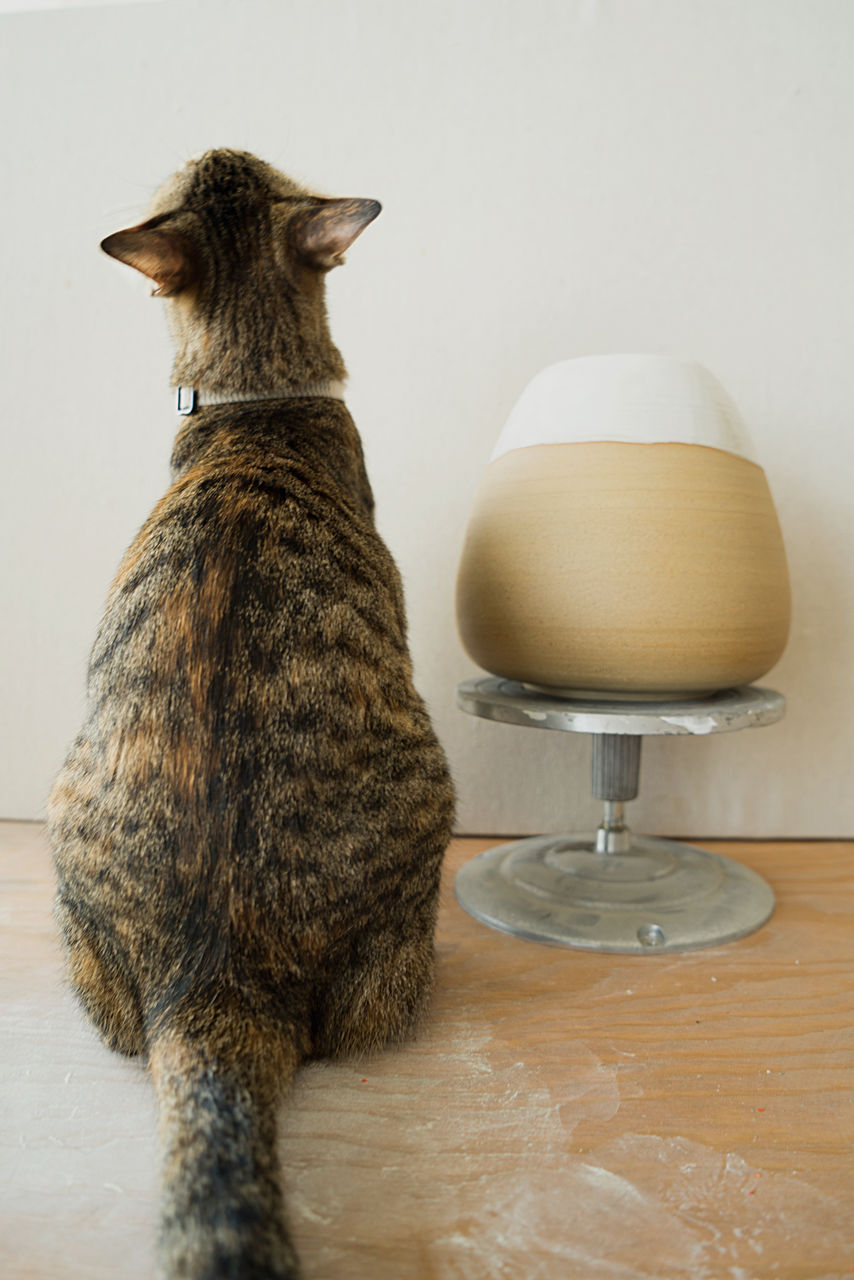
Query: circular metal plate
(513, 703)
(661, 896)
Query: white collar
(189, 399)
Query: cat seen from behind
(248, 828)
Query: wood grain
(561, 1114)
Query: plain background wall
(559, 178)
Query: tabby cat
(248, 828)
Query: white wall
(560, 177)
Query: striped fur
(249, 827)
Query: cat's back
(250, 690)
(260, 561)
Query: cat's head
(242, 250)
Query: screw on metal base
(615, 778)
(612, 834)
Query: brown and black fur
(248, 828)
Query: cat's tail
(221, 1199)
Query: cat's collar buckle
(186, 401)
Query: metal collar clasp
(186, 401)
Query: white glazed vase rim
(629, 399)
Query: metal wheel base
(658, 896)
(615, 891)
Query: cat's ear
(163, 254)
(322, 235)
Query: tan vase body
(633, 569)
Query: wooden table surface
(560, 1115)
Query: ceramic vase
(624, 542)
